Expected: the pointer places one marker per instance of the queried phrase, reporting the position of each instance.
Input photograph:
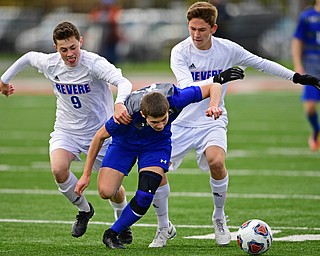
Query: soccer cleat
(125, 236)
(163, 235)
(110, 239)
(222, 232)
(79, 227)
(314, 145)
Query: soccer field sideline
(211, 236)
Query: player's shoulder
(223, 43)
(184, 45)
(89, 57)
(308, 12)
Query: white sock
(117, 208)
(67, 188)
(219, 190)
(160, 205)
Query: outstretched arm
(94, 149)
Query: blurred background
(144, 30)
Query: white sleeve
(106, 71)
(16, 67)
(249, 59)
(124, 89)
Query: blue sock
(126, 219)
(313, 120)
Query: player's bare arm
(6, 89)
(215, 96)
(93, 151)
(121, 114)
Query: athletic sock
(126, 219)
(160, 205)
(67, 188)
(313, 120)
(118, 208)
(219, 191)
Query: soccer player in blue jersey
(306, 59)
(81, 83)
(194, 61)
(147, 140)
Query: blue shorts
(123, 158)
(312, 67)
(310, 93)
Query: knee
(147, 186)
(60, 172)
(216, 164)
(106, 193)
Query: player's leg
(165, 230)
(310, 107)
(60, 164)
(310, 97)
(119, 202)
(211, 153)
(110, 182)
(149, 181)
(181, 141)
(63, 150)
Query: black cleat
(110, 239)
(81, 223)
(125, 236)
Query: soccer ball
(254, 237)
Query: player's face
(201, 32)
(158, 123)
(69, 50)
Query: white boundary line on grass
(172, 194)
(139, 224)
(275, 230)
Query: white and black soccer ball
(254, 237)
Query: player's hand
(228, 75)
(306, 80)
(121, 114)
(82, 184)
(214, 112)
(6, 89)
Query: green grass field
(273, 177)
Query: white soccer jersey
(192, 66)
(84, 97)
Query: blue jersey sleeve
(183, 97)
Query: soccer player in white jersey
(81, 82)
(194, 61)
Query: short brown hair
(203, 10)
(154, 104)
(65, 30)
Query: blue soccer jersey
(138, 140)
(308, 31)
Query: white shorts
(77, 145)
(199, 138)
